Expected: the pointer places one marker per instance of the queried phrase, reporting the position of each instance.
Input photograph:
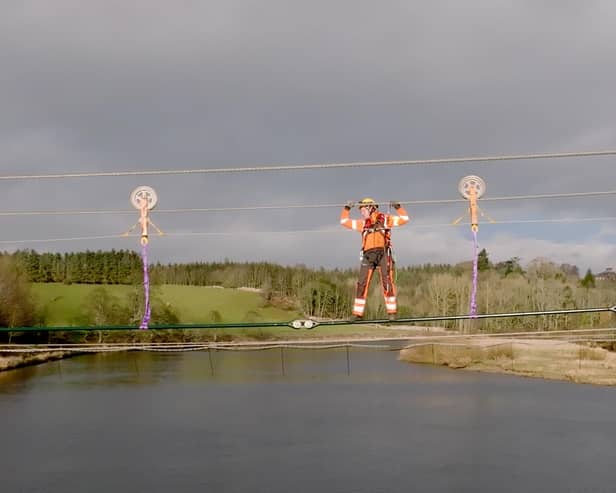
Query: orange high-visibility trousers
(381, 259)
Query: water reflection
(278, 364)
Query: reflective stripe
(345, 220)
(397, 220)
(354, 223)
(390, 304)
(358, 310)
(359, 306)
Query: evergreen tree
(511, 266)
(588, 281)
(483, 262)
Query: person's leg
(387, 281)
(366, 270)
(363, 283)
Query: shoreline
(21, 360)
(550, 359)
(10, 360)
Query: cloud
(150, 85)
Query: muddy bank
(549, 359)
(9, 361)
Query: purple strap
(474, 291)
(146, 287)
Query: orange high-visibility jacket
(378, 237)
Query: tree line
(89, 267)
(423, 290)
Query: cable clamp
(303, 324)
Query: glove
(349, 205)
(395, 205)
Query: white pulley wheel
(471, 182)
(139, 194)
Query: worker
(376, 251)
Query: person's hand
(349, 205)
(394, 204)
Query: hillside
(62, 304)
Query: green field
(193, 304)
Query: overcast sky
(144, 85)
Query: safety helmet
(368, 202)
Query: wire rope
(300, 206)
(298, 324)
(407, 342)
(304, 231)
(297, 167)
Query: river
(297, 421)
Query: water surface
(297, 421)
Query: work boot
(392, 316)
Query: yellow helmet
(368, 202)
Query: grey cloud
(151, 85)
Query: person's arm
(401, 218)
(347, 222)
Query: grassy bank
(549, 359)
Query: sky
(110, 85)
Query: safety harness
(376, 226)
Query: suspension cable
(306, 231)
(297, 167)
(301, 206)
(311, 324)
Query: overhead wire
(297, 167)
(395, 344)
(53, 240)
(302, 206)
(309, 206)
(303, 231)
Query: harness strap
(378, 226)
